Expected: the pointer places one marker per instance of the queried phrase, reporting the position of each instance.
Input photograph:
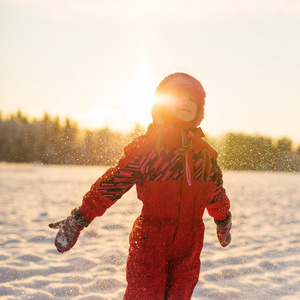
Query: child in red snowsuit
(176, 176)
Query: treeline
(50, 141)
(238, 151)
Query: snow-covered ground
(262, 262)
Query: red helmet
(183, 82)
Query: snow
(262, 262)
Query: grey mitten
(223, 231)
(69, 230)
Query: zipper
(186, 163)
(178, 219)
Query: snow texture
(262, 261)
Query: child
(177, 177)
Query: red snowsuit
(167, 238)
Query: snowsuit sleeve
(219, 206)
(115, 182)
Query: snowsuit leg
(184, 262)
(181, 281)
(159, 266)
(146, 265)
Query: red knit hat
(175, 82)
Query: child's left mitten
(223, 231)
(69, 230)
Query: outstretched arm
(103, 194)
(219, 207)
(110, 187)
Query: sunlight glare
(138, 98)
(100, 117)
(133, 107)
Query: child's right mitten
(223, 231)
(69, 230)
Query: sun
(139, 95)
(131, 106)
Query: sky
(98, 62)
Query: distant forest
(49, 141)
